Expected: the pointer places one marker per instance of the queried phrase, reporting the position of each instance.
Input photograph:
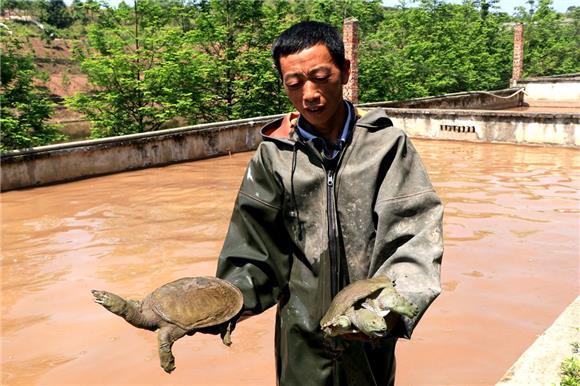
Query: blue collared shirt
(330, 151)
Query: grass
(570, 368)
(570, 372)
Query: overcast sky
(505, 5)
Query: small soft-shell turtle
(349, 314)
(179, 308)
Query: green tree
(433, 49)
(24, 108)
(143, 70)
(236, 36)
(368, 12)
(88, 11)
(551, 44)
(57, 14)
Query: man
(332, 196)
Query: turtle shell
(197, 302)
(351, 294)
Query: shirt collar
(329, 150)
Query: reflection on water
(510, 266)
(522, 186)
(511, 258)
(26, 372)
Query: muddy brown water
(510, 267)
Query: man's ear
(345, 71)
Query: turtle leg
(226, 332)
(167, 336)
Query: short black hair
(307, 34)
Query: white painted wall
(553, 91)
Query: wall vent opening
(457, 128)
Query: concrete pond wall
(472, 100)
(462, 116)
(74, 160)
(561, 129)
(554, 89)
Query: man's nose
(311, 92)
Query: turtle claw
(100, 297)
(167, 360)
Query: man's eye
(322, 78)
(293, 85)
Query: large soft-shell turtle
(181, 307)
(361, 307)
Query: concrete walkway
(540, 363)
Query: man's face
(314, 85)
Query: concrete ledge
(478, 100)
(75, 160)
(540, 363)
(564, 78)
(562, 88)
(532, 128)
(150, 134)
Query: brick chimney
(518, 58)
(350, 39)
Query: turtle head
(370, 323)
(114, 303)
(390, 299)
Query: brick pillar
(350, 39)
(518, 59)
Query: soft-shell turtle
(181, 307)
(349, 314)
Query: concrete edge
(497, 142)
(498, 93)
(484, 113)
(551, 79)
(540, 363)
(145, 135)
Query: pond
(510, 267)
